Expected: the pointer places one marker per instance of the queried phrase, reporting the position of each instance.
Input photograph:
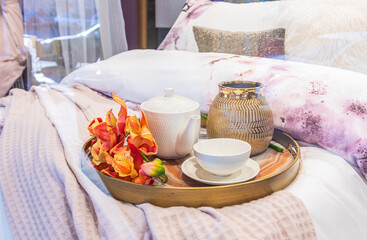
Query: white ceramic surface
(222, 156)
(170, 103)
(192, 169)
(174, 122)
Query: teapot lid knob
(168, 92)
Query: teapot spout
(188, 136)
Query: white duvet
(334, 194)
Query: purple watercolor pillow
(320, 105)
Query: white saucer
(192, 169)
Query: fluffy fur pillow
(327, 32)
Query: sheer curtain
(68, 34)
(112, 24)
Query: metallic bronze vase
(241, 111)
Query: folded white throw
(46, 195)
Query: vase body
(241, 111)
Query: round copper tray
(182, 191)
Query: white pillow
(327, 32)
(233, 17)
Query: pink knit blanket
(47, 196)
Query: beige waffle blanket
(47, 196)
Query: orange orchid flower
(135, 154)
(99, 154)
(123, 108)
(103, 131)
(119, 148)
(117, 125)
(109, 171)
(100, 131)
(93, 124)
(122, 115)
(111, 120)
(141, 179)
(123, 164)
(95, 149)
(133, 126)
(120, 125)
(114, 158)
(140, 135)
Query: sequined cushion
(260, 43)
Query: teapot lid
(170, 103)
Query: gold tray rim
(296, 159)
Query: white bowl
(222, 156)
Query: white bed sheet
(330, 188)
(334, 194)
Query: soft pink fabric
(12, 54)
(46, 194)
(278, 216)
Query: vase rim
(251, 85)
(240, 89)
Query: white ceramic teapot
(174, 122)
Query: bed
(45, 193)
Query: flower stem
(144, 157)
(165, 180)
